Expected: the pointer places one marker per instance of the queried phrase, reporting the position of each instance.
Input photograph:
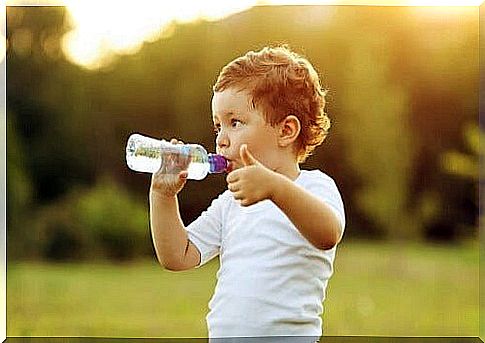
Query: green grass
(411, 290)
(377, 289)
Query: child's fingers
(232, 176)
(181, 179)
(234, 187)
(176, 141)
(238, 195)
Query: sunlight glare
(104, 29)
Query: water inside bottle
(143, 154)
(190, 157)
(199, 162)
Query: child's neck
(291, 170)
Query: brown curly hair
(281, 83)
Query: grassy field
(377, 289)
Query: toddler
(276, 227)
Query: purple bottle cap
(217, 163)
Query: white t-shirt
(271, 280)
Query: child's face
(236, 123)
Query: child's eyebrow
(228, 113)
(224, 114)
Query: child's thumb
(246, 157)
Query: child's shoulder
(323, 186)
(315, 175)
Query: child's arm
(311, 216)
(172, 246)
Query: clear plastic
(148, 155)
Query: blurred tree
(464, 166)
(102, 221)
(438, 62)
(19, 190)
(402, 84)
(375, 130)
(42, 94)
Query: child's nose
(222, 141)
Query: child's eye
(235, 122)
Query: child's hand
(169, 184)
(253, 182)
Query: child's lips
(230, 165)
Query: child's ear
(289, 129)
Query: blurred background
(403, 149)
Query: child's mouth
(230, 166)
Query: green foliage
(378, 151)
(99, 222)
(19, 189)
(402, 85)
(465, 165)
(19, 185)
(116, 221)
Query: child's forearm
(174, 250)
(311, 216)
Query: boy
(276, 227)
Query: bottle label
(175, 158)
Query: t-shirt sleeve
(325, 188)
(205, 231)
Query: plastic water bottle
(146, 154)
